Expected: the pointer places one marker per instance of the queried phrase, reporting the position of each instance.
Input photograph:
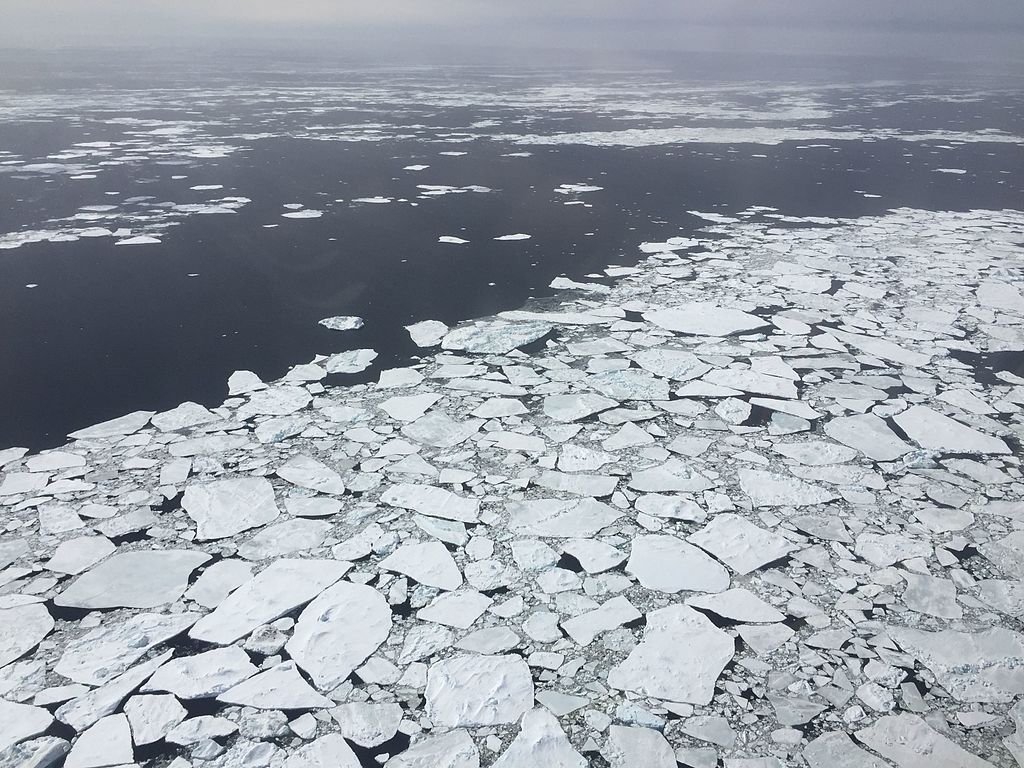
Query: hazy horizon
(939, 30)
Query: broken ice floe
(754, 523)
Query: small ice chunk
(353, 361)
(342, 323)
(427, 333)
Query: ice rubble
(728, 517)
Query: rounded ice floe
(368, 724)
(469, 690)
(338, 631)
(244, 382)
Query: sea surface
(162, 228)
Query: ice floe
(707, 516)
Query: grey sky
(958, 29)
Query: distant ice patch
(717, 218)
(342, 323)
(517, 236)
(438, 190)
(306, 213)
(451, 239)
(575, 189)
(139, 240)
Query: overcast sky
(957, 29)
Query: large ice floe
(757, 505)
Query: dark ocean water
(111, 329)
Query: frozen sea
(159, 231)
